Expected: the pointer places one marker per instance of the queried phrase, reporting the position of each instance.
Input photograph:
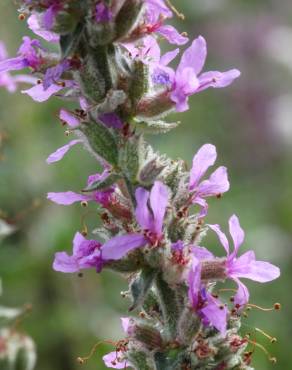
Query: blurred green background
(250, 123)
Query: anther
(277, 306)
(80, 360)
(21, 17)
(80, 274)
(84, 203)
(39, 81)
(67, 132)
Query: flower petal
(168, 57)
(142, 212)
(216, 184)
(216, 314)
(59, 153)
(77, 241)
(39, 94)
(195, 56)
(194, 281)
(34, 25)
(13, 64)
(117, 247)
(205, 157)
(236, 233)
(242, 296)
(217, 79)
(67, 198)
(247, 267)
(111, 120)
(222, 237)
(158, 200)
(172, 35)
(116, 360)
(65, 263)
(202, 253)
(69, 118)
(203, 204)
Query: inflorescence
(152, 209)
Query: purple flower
(111, 120)
(118, 359)
(92, 254)
(103, 13)
(50, 14)
(59, 153)
(150, 219)
(86, 254)
(245, 266)
(117, 247)
(70, 197)
(187, 80)
(210, 309)
(29, 56)
(150, 210)
(156, 12)
(215, 185)
(35, 25)
(8, 81)
(54, 74)
(70, 119)
(39, 94)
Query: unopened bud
(150, 171)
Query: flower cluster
(152, 209)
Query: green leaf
(141, 286)
(69, 42)
(101, 141)
(128, 17)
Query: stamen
(276, 307)
(83, 360)
(255, 344)
(272, 339)
(176, 12)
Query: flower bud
(128, 17)
(149, 172)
